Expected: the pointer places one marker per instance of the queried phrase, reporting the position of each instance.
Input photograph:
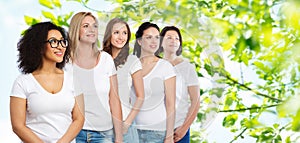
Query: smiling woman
(42, 84)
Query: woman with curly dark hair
(116, 43)
(43, 105)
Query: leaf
(46, 3)
(296, 122)
(230, 120)
(57, 3)
(49, 15)
(30, 20)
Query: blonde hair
(74, 31)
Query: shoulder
(105, 55)
(23, 77)
(23, 81)
(133, 59)
(165, 63)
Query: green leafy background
(259, 37)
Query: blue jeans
(89, 136)
(186, 138)
(150, 136)
(132, 135)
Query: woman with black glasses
(43, 104)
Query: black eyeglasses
(54, 43)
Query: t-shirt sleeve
(169, 70)
(136, 64)
(110, 64)
(192, 77)
(18, 88)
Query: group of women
(71, 91)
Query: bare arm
(192, 113)
(170, 91)
(115, 107)
(139, 90)
(78, 121)
(18, 121)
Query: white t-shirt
(47, 115)
(185, 76)
(152, 115)
(125, 83)
(95, 85)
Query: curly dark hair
(139, 33)
(31, 47)
(107, 46)
(163, 33)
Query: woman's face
(171, 42)
(55, 47)
(119, 35)
(149, 41)
(88, 30)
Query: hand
(125, 127)
(179, 133)
(169, 140)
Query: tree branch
(253, 90)
(240, 135)
(251, 108)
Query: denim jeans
(89, 136)
(150, 136)
(132, 135)
(186, 138)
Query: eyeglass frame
(59, 42)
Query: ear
(139, 41)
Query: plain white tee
(152, 115)
(47, 115)
(95, 85)
(185, 76)
(125, 83)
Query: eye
(53, 41)
(116, 32)
(148, 37)
(85, 26)
(157, 37)
(125, 33)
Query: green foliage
(259, 35)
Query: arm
(18, 121)
(192, 113)
(115, 107)
(139, 90)
(78, 121)
(170, 91)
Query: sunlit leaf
(46, 3)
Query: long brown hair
(107, 46)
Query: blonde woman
(95, 75)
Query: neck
(47, 68)
(148, 59)
(169, 56)
(85, 51)
(115, 52)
